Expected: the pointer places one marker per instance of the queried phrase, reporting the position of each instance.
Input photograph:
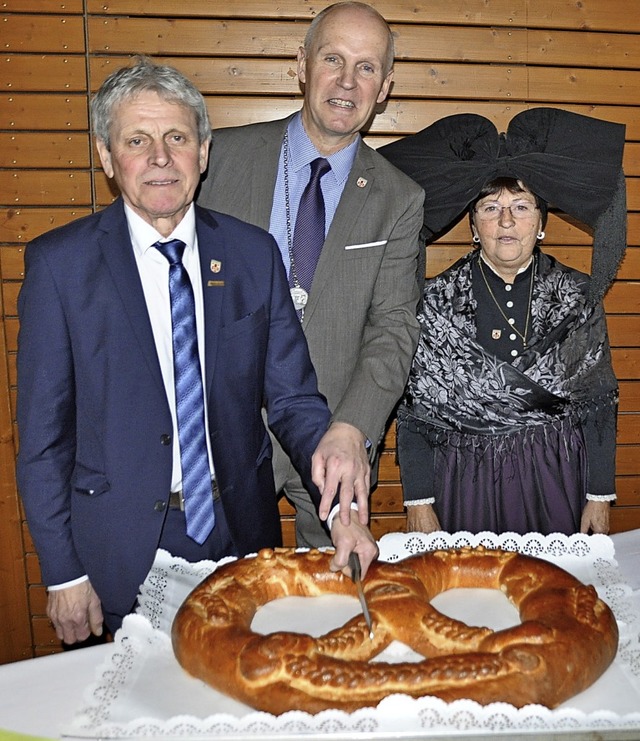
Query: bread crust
(566, 639)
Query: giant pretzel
(566, 639)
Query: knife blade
(356, 575)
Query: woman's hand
(422, 518)
(595, 517)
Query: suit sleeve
(599, 425)
(296, 411)
(46, 418)
(599, 430)
(391, 330)
(417, 463)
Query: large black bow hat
(573, 162)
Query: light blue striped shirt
(301, 153)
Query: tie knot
(172, 250)
(319, 167)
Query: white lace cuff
(601, 497)
(413, 502)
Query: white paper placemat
(141, 691)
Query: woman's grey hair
(312, 31)
(145, 75)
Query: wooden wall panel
(161, 36)
(42, 6)
(45, 162)
(629, 394)
(614, 15)
(15, 638)
(264, 38)
(37, 33)
(624, 331)
(43, 150)
(45, 187)
(626, 362)
(44, 112)
(22, 225)
(492, 58)
(623, 298)
(602, 15)
(43, 73)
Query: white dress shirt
(153, 267)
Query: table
(39, 696)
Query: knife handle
(354, 565)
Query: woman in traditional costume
(509, 418)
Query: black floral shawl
(458, 389)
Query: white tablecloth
(42, 696)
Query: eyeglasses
(493, 211)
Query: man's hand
(422, 518)
(75, 612)
(352, 537)
(595, 517)
(341, 460)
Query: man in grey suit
(359, 314)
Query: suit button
(165, 439)
(160, 506)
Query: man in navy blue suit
(99, 465)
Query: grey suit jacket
(360, 321)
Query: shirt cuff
(413, 502)
(72, 583)
(334, 512)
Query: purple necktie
(196, 475)
(308, 235)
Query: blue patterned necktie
(308, 235)
(196, 475)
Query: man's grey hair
(312, 31)
(145, 75)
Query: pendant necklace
(298, 295)
(522, 336)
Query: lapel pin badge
(496, 334)
(215, 266)
(361, 182)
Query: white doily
(141, 691)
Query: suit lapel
(214, 268)
(263, 158)
(116, 247)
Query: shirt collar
(144, 236)
(302, 151)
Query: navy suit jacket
(94, 466)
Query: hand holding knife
(356, 575)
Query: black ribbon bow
(573, 162)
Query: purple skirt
(530, 481)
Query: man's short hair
(145, 75)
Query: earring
(540, 236)
(476, 239)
